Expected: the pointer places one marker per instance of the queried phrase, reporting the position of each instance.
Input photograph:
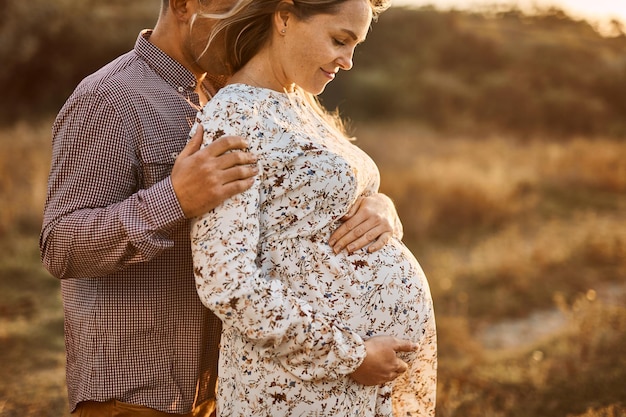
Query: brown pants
(114, 408)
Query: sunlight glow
(599, 12)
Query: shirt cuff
(160, 213)
(163, 207)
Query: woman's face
(317, 48)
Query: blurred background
(500, 133)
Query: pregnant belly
(380, 293)
(393, 296)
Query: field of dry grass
(524, 239)
(521, 239)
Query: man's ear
(182, 9)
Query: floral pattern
(295, 314)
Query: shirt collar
(172, 71)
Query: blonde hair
(247, 26)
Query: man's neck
(209, 85)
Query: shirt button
(181, 89)
(192, 84)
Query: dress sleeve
(95, 221)
(225, 244)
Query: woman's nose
(345, 62)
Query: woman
(295, 313)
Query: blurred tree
(544, 73)
(499, 69)
(47, 47)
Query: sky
(594, 11)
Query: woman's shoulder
(234, 101)
(262, 114)
(249, 97)
(242, 100)
(229, 98)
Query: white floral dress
(294, 313)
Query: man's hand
(381, 364)
(372, 221)
(204, 178)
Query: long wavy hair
(247, 26)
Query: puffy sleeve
(225, 242)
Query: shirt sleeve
(225, 242)
(97, 219)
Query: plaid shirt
(114, 232)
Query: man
(122, 187)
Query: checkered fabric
(115, 235)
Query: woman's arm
(224, 245)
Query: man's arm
(97, 219)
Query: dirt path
(538, 325)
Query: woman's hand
(381, 363)
(372, 221)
